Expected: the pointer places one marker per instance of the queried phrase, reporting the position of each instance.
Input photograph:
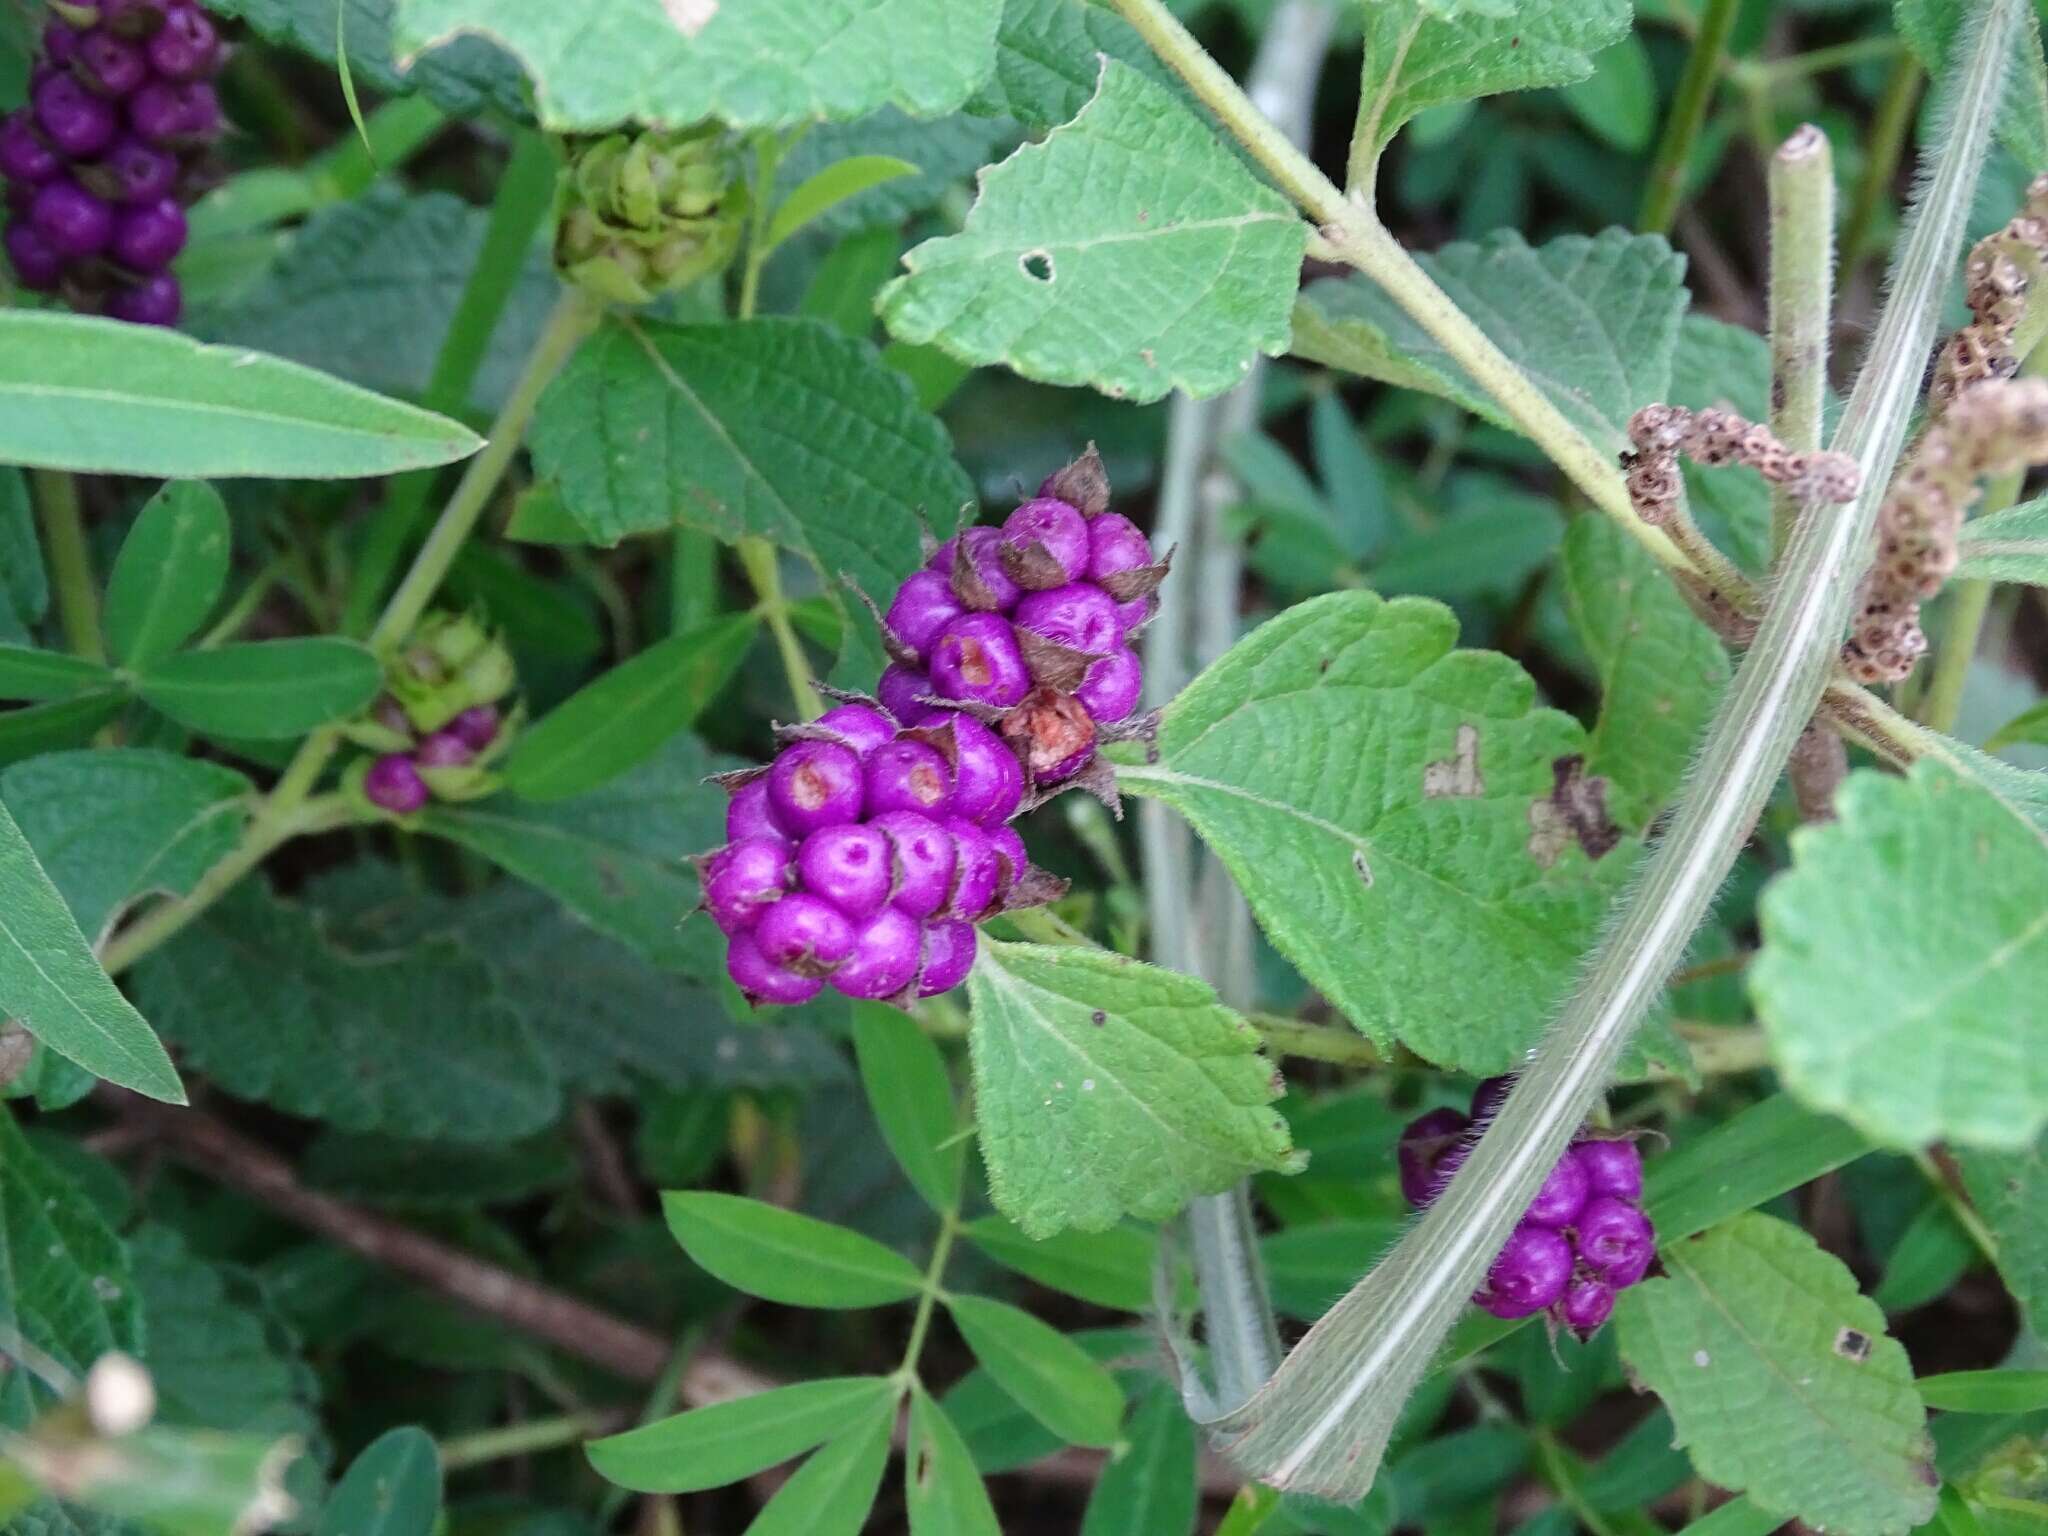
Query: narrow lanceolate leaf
(911, 1094)
(1781, 1380)
(830, 186)
(831, 1494)
(1986, 1391)
(785, 1256)
(1111, 1269)
(2010, 1190)
(1104, 1087)
(266, 690)
(710, 1447)
(24, 584)
(108, 398)
(29, 673)
(2007, 546)
(169, 573)
(53, 986)
(1129, 251)
(1903, 957)
(1418, 837)
(1151, 1487)
(622, 719)
(39, 728)
(1051, 1377)
(1593, 322)
(758, 65)
(392, 1489)
(942, 1489)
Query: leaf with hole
(942, 1489)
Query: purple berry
(1080, 615)
(24, 157)
(60, 42)
(925, 855)
(948, 957)
(1562, 1197)
(74, 221)
(984, 585)
(1010, 844)
(35, 261)
(1116, 545)
(186, 46)
(743, 879)
(1054, 527)
(1616, 1239)
(899, 691)
(1113, 685)
(859, 727)
(885, 956)
(394, 784)
(1422, 1151)
(110, 65)
(977, 658)
(445, 749)
(1488, 1097)
(1133, 613)
(136, 172)
(1586, 1304)
(941, 559)
(1612, 1168)
(805, 934)
(148, 239)
(908, 776)
(924, 605)
(979, 871)
(478, 726)
(750, 814)
(762, 980)
(851, 867)
(1531, 1273)
(815, 784)
(988, 781)
(167, 113)
(76, 122)
(153, 301)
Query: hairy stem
(1688, 113)
(1802, 198)
(78, 596)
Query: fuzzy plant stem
(1688, 113)
(78, 597)
(1802, 210)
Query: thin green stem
(1802, 209)
(927, 1304)
(1316, 1042)
(78, 595)
(1962, 624)
(508, 1440)
(1965, 1213)
(244, 606)
(1815, 61)
(768, 150)
(759, 560)
(1688, 112)
(1881, 154)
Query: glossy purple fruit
(25, 157)
(978, 872)
(885, 957)
(1562, 1197)
(900, 690)
(1115, 545)
(1616, 1239)
(988, 781)
(60, 42)
(1080, 615)
(1421, 1153)
(186, 46)
(941, 558)
(394, 784)
(860, 727)
(35, 261)
(750, 815)
(1134, 613)
(1048, 524)
(851, 867)
(977, 659)
(908, 776)
(153, 301)
(948, 957)
(1113, 686)
(445, 749)
(1612, 1168)
(478, 725)
(1488, 1097)
(136, 172)
(745, 879)
(76, 122)
(923, 606)
(1010, 844)
(925, 855)
(148, 239)
(1531, 1273)
(762, 980)
(814, 784)
(166, 112)
(805, 934)
(1586, 1304)
(74, 221)
(110, 65)
(984, 584)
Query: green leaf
(1062, 267)
(1781, 1380)
(52, 985)
(1930, 1256)
(753, 66)
(260, 996)
(1618, 101)
(1389, 806)
(1661, 670)
(710, 1447)
(2027, 728)
(941, 155)
(2007, 546)
(1151, 1487)
(462, 78)
(115, 824)
(1417, 57)
(827, 188)
(108, 398)
(1986, 1391)
(622, 719)
(1051, 1377)
(1111, 1268)
(1902, 957)
(1932, 29)
(1049, 60)
(169, 573)
(29, 673)
(1752, 1157)
(392, 1489)
(2010, 1191)
(784, 1256)
(24, 585)
(1593, 322)
(786, 429)
(911, 1094)
(1105, 1087)
(832, 1493)
(266, 690)
(26, 733)
(942, 1489)
(1308, 1267)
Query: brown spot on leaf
(1574, 812)
(1456, 776)
(1852, 1345)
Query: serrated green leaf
(463, 78)
(1932, 29)
(114, 824)
(1388, 806)
(942, 1489)
(1049, 57)
(1986, 1391)
(1151, 1487)
(1661, 670)
(108, 398)
(786, 429)
(2007, 546)
(27, 672)
(1051, 1377)
(24, 585)
(265, 690)
(1593, 321)
(1129, 251)
(169, 573)
(786, 1256)
(2010, 1191)
(912, 1097)
(260, 997)
(1104, 1087)
(831, 1494)
(1111, 1268)
(40, 728)
(392, 1489)
(1781, 1379)
(754, 66)
(710, 1447)
(1902, 956)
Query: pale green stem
(1341, 1047)
(1802, 206)
(934, 1277)
(758, 558)
(243, 608)
(1969, 601)
(78, 596)
(1965, 1214)
(1688, 112)
(488, 1445)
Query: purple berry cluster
(402, 782)
(1584, 1237)
(121, 104)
